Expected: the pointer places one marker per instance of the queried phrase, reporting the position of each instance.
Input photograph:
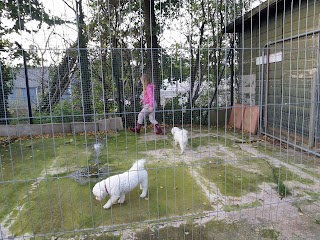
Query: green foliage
(19, 13)
(5, 90)
(201, 58)
(68, 112)
(278, 176)
(61, 113)
(132, 111)
(174, 112)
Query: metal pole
(232, 73)
(27, 82)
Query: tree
(19, 13)
(153, 48)
(208, 45)
(115, 26)
(84, 63)
(60, 79)
(138, 25)
(5, 90)
(75, 58)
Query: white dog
(180, 136)
(118, 185)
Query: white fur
(118, 185)
(180, 137)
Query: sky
(47, 38)
(56, 39)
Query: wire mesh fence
(159, 120)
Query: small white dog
(180, 136)
(118, 185)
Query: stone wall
(110, 124)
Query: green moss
(232, 181)
(210, 230)
(11, 195)
(127, 146)
(290, 156)
(270, 234)
(274, 174)
(60, 204)
(230, 208)
(196, 142)
(104, 237)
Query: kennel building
(278, 55)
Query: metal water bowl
(98, 148)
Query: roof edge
(263, 8)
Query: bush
(61, 113)
(176, 113)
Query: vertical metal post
(313, 98)
(314, 104)
(265, 117)
(27, 82)
(116, 73)
(232, 76)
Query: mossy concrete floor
(224, 186)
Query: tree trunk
(84, 64)
(153, 48)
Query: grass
(235, 181)
(230, 208)
(63, 205)
(270, 234)
(230, 180)
(60, 204)
(211, 141)
(210, 230)
(314, 195)
(283, 190)
(291, 156)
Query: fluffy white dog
(118, 185)
(180, 137)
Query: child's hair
(145, 79)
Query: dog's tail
(138, 165)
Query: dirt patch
(278, 163)
(146, 137)
(269, 211)
(173, 156)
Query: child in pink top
(149, 105)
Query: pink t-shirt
(148, 96)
